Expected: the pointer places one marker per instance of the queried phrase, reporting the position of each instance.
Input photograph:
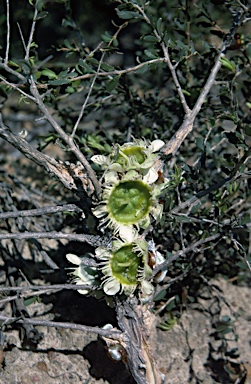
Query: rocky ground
(191, 352)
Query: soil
(190, 352)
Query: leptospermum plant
(129, 203)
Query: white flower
(139, 155)
(83, 274)
(129, 202)
(125, 265)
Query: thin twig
(40, 211)
(12, 72)
(167, 60)
(87, 97)
(119, 72)
(68, 139)
(42, 288)
(90, 239)
(94, 79)
(31, 33)
(116, 334)
(21, 35)
(192, 248)
(14, 86)
(8, 33)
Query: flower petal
(128, 234)
(111, 177)
(82, 291)
(146, 287)
(74, 259)
(156, 145)
(100, 159)
(100, 210)
(150, 177)
(111, 286)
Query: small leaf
(158, 25)
(29, 301)
(59, 82)
(67, 44)
(186, 92)
(228, 64)
(142, 69)
(127, 15)
(70, 90)
(87, 68)
(49, 73)
(247, 130)
(39, 5)
(160, 295)
(41, 15)
(150, 54)
(106, 37)
(150, 39)
(107, 67)
(112, 84)
(115, 43)
(200, 143)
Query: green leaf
(228, 64)
(41, 15)
(107, 67)
(39, 4)
(186, 92)
(87, 68)
(67, 44)
(115, 43)
(150, 54)
(150, 39)
(127, 15)
(49, 73)
(142, 69)
(228, 117)
(158, 25)
(106, 37)
(70, 89)
(92, 60)
(200, 143)
(112, 84)
(59, 82)
(247, 130)
(160, 295)
(29, 301)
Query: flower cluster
(130, 195)
(130, 201)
